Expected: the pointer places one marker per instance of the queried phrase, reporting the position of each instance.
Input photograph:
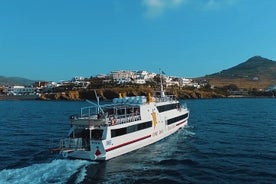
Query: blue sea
(226, 141)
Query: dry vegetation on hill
(255, 73)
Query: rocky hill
(255, 73)
(15, 81)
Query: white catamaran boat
(102, 132)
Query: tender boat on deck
(102, 132)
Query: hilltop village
(128, 83)
(108, 86)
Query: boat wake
(57, 171)
(188, 132)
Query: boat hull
(137, 143)
(125, 144)
(105, 132)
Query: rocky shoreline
(110, 93)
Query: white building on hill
(19, 90)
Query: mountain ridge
(255, 73)
(9, 81)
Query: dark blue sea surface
(226, 141)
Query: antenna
(97, 98)
(161, 84)
(98, 103)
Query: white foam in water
(57, 171)
(81, 175)
(189, 133)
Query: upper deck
(122, 110)
(107, 115)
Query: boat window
(130, 129)
(118, 132)
(167, 107)
(178, 118)
(145, 125)
(121, 111)
(80, 133)
(97, 134)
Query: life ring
(65, 154)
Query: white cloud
(212, 4)
(217, 4)
(155, 8)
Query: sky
(56, 40)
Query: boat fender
(65, 154)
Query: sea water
(226, 141)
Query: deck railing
(88, 111)
(166, 98)
(90, 118)
(121, 119)
(71, 143)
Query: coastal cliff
(110, 93)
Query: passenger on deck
(137, 112)
(113, 120)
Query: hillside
(15, 81)
(255, 73)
